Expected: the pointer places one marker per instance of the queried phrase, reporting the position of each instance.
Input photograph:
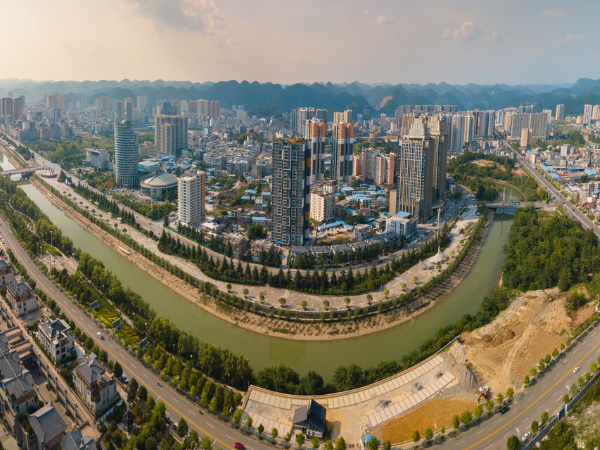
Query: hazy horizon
(384, 41)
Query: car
(239, 446)
(100, 335)
(484, 389)
(576, 369)
(526, 436)
(124, 379)
(503, 409)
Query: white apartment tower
(191, 195)
(560, 113)
(126, 154)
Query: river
(321, 356)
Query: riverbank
(263, 325)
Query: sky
(287, 41)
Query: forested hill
(271, 98)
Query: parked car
(503, 409)
(124, 379)
(100, 335)
(526, 436)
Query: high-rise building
(415, 170)
(105, 104)
(526, 135)
(484, 123)
(385, 167)
(120, 111)
(170, 134)
(457, 139)
(321, 206)
(469, 128)
(316, 135)
(290, 192)
(56, 101)
(6, 107)
(344, 116)
(515, 123)
(596, 112)
(437, 126)
(587, 114)
(299, 116)
(126, 154)
(129, 109)
(142, 101)
(560, 113)
(191, 199)
(342, 144)
(18, 108)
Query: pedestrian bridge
(27, 170)
(510, 207)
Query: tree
(142, 393)
(347, 302)
(274, 433)
(326, 304)
(403, 286)
(245, 292)
(150, 443)
(416, 436)
(369, 298)
(373, 443)
(544, 417)
(533, 372)
(282, 301)
(249, 422)
(228, 287)
(118, 370)
(555, 352)
(489, 405)
(237, 417)
(534, 427)
(214, 404)
(304, 304)
(328, 445)
(455, 422)
(182, 427)
(593, 367)
(387, 445)
(510, 393)
(428, 433)
(206, 443)
(89, 343)
(415, 279)
(566, 399)
(300, 439)
(386, 293)
(315, 442)
(513, 443)
(466, 417)
(526, 380)
(340, 444)
(478, 411)
(499, 398)
(288, 437)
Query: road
(558, 196)
(177, 406)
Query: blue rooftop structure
(250, 191)
(402, 215)
(339, 223)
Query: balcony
(96, 396)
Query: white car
(576, 369)
(484, 389)
(100, 335)
(526, 436)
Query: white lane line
(479, 432)
(175, 400)
(212, 426)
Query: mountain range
(266, 99)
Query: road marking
(210, 425)
(535, 402)
(125, 366)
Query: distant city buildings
(587, 114)
(126, 155)
(316, 130)
(290, 192)
(342, 146)
(299, 116)
(560, 113)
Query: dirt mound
(502, 353)
(468, 380)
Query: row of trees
(218, 244)
(152, 210)
(105, 204)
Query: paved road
(177, 405)
(560, 199)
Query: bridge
(26, 170)
(510, 207)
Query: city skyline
(383, 42)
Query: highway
(177, 406)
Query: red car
(239, 446)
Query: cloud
(553, 13)
(194, 15)
(466, 31)
(383, 19)
(574, 38)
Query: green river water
(321, 356)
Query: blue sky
(513, 42)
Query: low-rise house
(363, 232)
(74, 440)
(310, 419)
(48, 427)
(401, 223)
(21, 298)
(17, 394)
(93, 384)
(57, 338)
(7, 275)
(258, 245)
(295, 252)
